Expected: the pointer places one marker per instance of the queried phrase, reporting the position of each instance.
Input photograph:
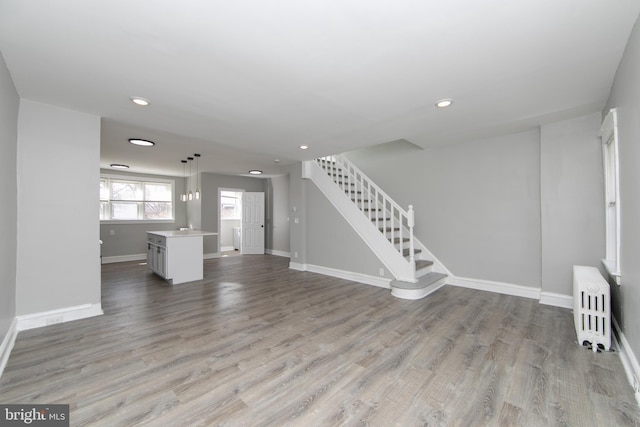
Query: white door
(252, 223)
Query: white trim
(297, 266)
(497, 287)
(45, 318)
(278, 253)
(124, 258)
(628, 358)
(227, 248)
(211, 255)
(413, 294)
(556, 300)
(380, 282)
(609, 137)
(7, 345)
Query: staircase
(383, 225)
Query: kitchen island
(176, 255)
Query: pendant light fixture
(197, 156)
(190, 193)
(183, 196)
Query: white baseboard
(211, 255)
(7, 344)
(37, 320)
(628, 359)
(124, 258)
(556, 300)
(497, 287)
(297, 266)
(226, 248)
(366, 279)
(278, 253)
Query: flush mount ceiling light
(142, 142)
(140, 101)
(255, 172)
(303, 147)
(444, 103)
(119, 166)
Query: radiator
(591, 307)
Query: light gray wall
(477, 203)
(625, 96)
(9, 105)
(332, 242)
(130, 239)
(572, 200)
(297, 215)
(209, 210)
(58, 256)
(277, 196)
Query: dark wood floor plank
(257, 344)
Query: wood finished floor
(257, 344)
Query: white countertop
(182, 233)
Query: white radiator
(591, 307)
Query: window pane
(104, 190)
(123, 190)
(157, 210)
(124, 210)
(229, 212)
(157, 192)
(104, 210)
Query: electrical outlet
(381, 272)
(112, 232)
(295, 254)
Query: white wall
(625, 96)
(58, 256)
(572, 200)
(9, 105)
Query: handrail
(387, 215)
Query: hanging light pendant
(183, 196)
(197, 156)
(190, 193)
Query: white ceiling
(245, 82)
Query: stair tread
(423, 263)
(422, 282)
(405, 252)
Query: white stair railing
(395, 223)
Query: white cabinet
(176, 255)
(157, 259)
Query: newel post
(410, 223)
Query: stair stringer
(395, 263)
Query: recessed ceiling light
(255, 172)
(142, 142)
(303, 147)
(444, 103)
(119, 166)
(140, 101)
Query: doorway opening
(230, 222)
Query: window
(609, 136)
(230, 202)
(131, 199)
